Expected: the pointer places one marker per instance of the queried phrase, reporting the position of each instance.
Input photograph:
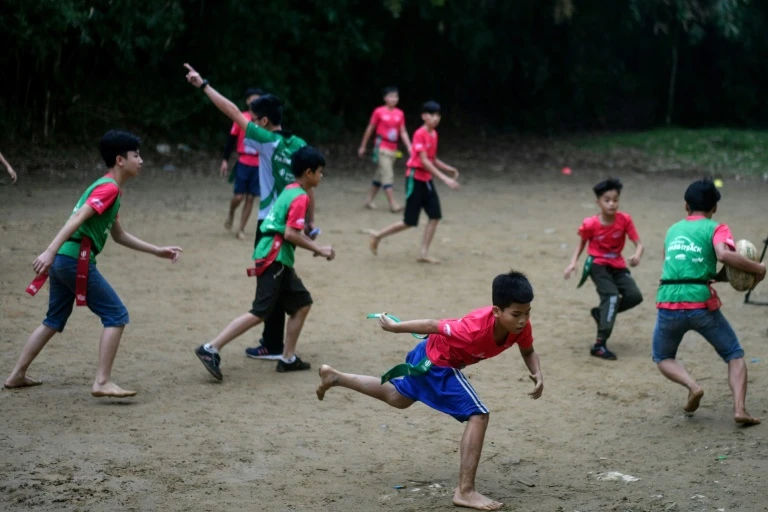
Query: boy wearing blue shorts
(70, 262)
(432, 371)
(687, 302)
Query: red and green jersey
(689, 254)
(275, 151)
(423, 140)
(104, 197)
(290, 210)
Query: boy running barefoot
(432, 371)
(686, 302)
(389, 123)
(70, 261)
(420, 191)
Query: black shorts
(280, 284)
(418, 195)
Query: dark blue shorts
(443, 389)
(672, 324)
(247, 179)
(101, 298)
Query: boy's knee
(483, 418)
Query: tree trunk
(672, 80)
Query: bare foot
(396, 208)
(431, 261)
(475, 500)
(374, 244)
(228, 223)
(694, 397)
(328, 378)
(24, 382)
(370, 205)
(110, 389)
(240, 235)
(745, 419)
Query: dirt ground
(262, 441)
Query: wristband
(204, 85)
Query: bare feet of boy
(328, 379)
(110, 389)
(21, 382)
(374, 244)
(427, 259)
(475, 500)
(396, 208)
(694, 398)
(240, 235)
(744, 418)
(370, 206)
(228, 223)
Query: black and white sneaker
(602, 352)
(295, 366)
(211, 361)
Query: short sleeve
(525, 338)
(585, 230)
(235, 130)
(374, 117)
(723, 234)
(631, 230)
(259, 135)
(419, 144)
(297, 212)
(103, 197)
(456, 329)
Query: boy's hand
(454, 173)
(760, 275)
(193, 76)
(634, 260)
(361, 151)
(327, 252)
(43, 262)
(570, 269)
(172, 253)
(538, 389)
(12, 174)
(224, 168)
(452, 184)
(387, 323)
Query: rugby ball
(742, 281)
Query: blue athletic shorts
(672, 324)
(443, 389)
(247, 179)
(100, 296)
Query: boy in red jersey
(71, 262)
(606, 234)
(420, 191)
(432, 371)
(245, 174)
(389, 123)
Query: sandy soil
(262, 441)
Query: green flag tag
(405, 369)
(585, 272)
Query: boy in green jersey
(686, 302)
(277, 282)
(70, 261)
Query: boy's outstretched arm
(406, 139)
(299, 239)
(409, 326)
(364, 142)
(571, 268)
(531, 359)
(8, 168)
(122, 237)
(228, 108)
(43, 262)
(434, 171)
(454, 172)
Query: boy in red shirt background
(606, 234)
(420, 191)
(432, 371)
(389, 123)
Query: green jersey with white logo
(690, 255)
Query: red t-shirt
(297, 212)
(248, 156)
(103, 197)
(607, 242)
(388, 123)
(722, 234)
(423, 140)
(468, 340)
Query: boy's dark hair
(269, 106)
(389, 89)
(606, 185)
(306, 158)
(702, 195)
(430, 107)
(511, 287)
(116, 142)
(254, 91)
